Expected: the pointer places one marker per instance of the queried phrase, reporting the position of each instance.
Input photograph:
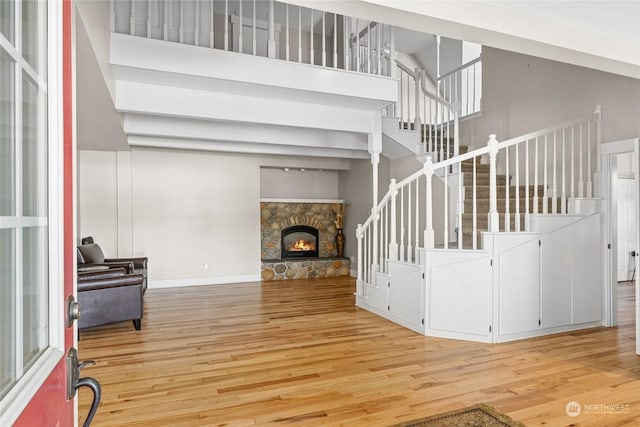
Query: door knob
(73, 310)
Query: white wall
(196, 215)
(470, 51)
(97, 204)
(297, 184)
(450, 56)
(523, 93)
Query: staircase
(527, 260)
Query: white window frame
(14, 402)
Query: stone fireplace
(299, 241)
(309, 225)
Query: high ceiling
(603, 35)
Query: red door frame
(50, 407)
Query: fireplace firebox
(299, 241)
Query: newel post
(375, 160)
(429, 235)
(359, 272)
(598, 120)
(271, 43)
(416, 109)
(112, 16)
(494, 219)
(393, 241)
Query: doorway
(625, 218)
(621, 191)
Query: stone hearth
(276, 215)
(282, 269)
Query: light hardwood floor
(300, 353)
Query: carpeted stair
(482, 202)
(482, 193)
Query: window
(25, 208)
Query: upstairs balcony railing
(262, 28)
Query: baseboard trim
(202, 281)
(362, 303)
(548, 331)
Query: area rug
(474, 416)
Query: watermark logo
(573, 409)
(606, 408)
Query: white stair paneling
(555, 285)
(516, 277)
(572, 257)
(587, 283)
(376, 294)
(459, 294)
(406, 294)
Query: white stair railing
(257, 27)
(440, 124)
(436, 119)
(560, 158)
(464, 84)
(367, 40)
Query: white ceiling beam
(171, 101)
(176, 127)
(245, 148)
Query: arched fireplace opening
(299, 241)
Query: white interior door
(626, 228)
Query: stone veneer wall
(276, 216)
(304, 268)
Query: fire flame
(302, 245)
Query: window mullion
(14, 54)
(19, 142)
(19, 303)
(19, 294)
(43, 160)
(17, 27)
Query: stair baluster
(507, 214)
(517, 187)
(563, 200)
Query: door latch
(74, 382)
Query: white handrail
(464, 85)
(405, 69)
(461, 67)
(423, 85)
(387, 215)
